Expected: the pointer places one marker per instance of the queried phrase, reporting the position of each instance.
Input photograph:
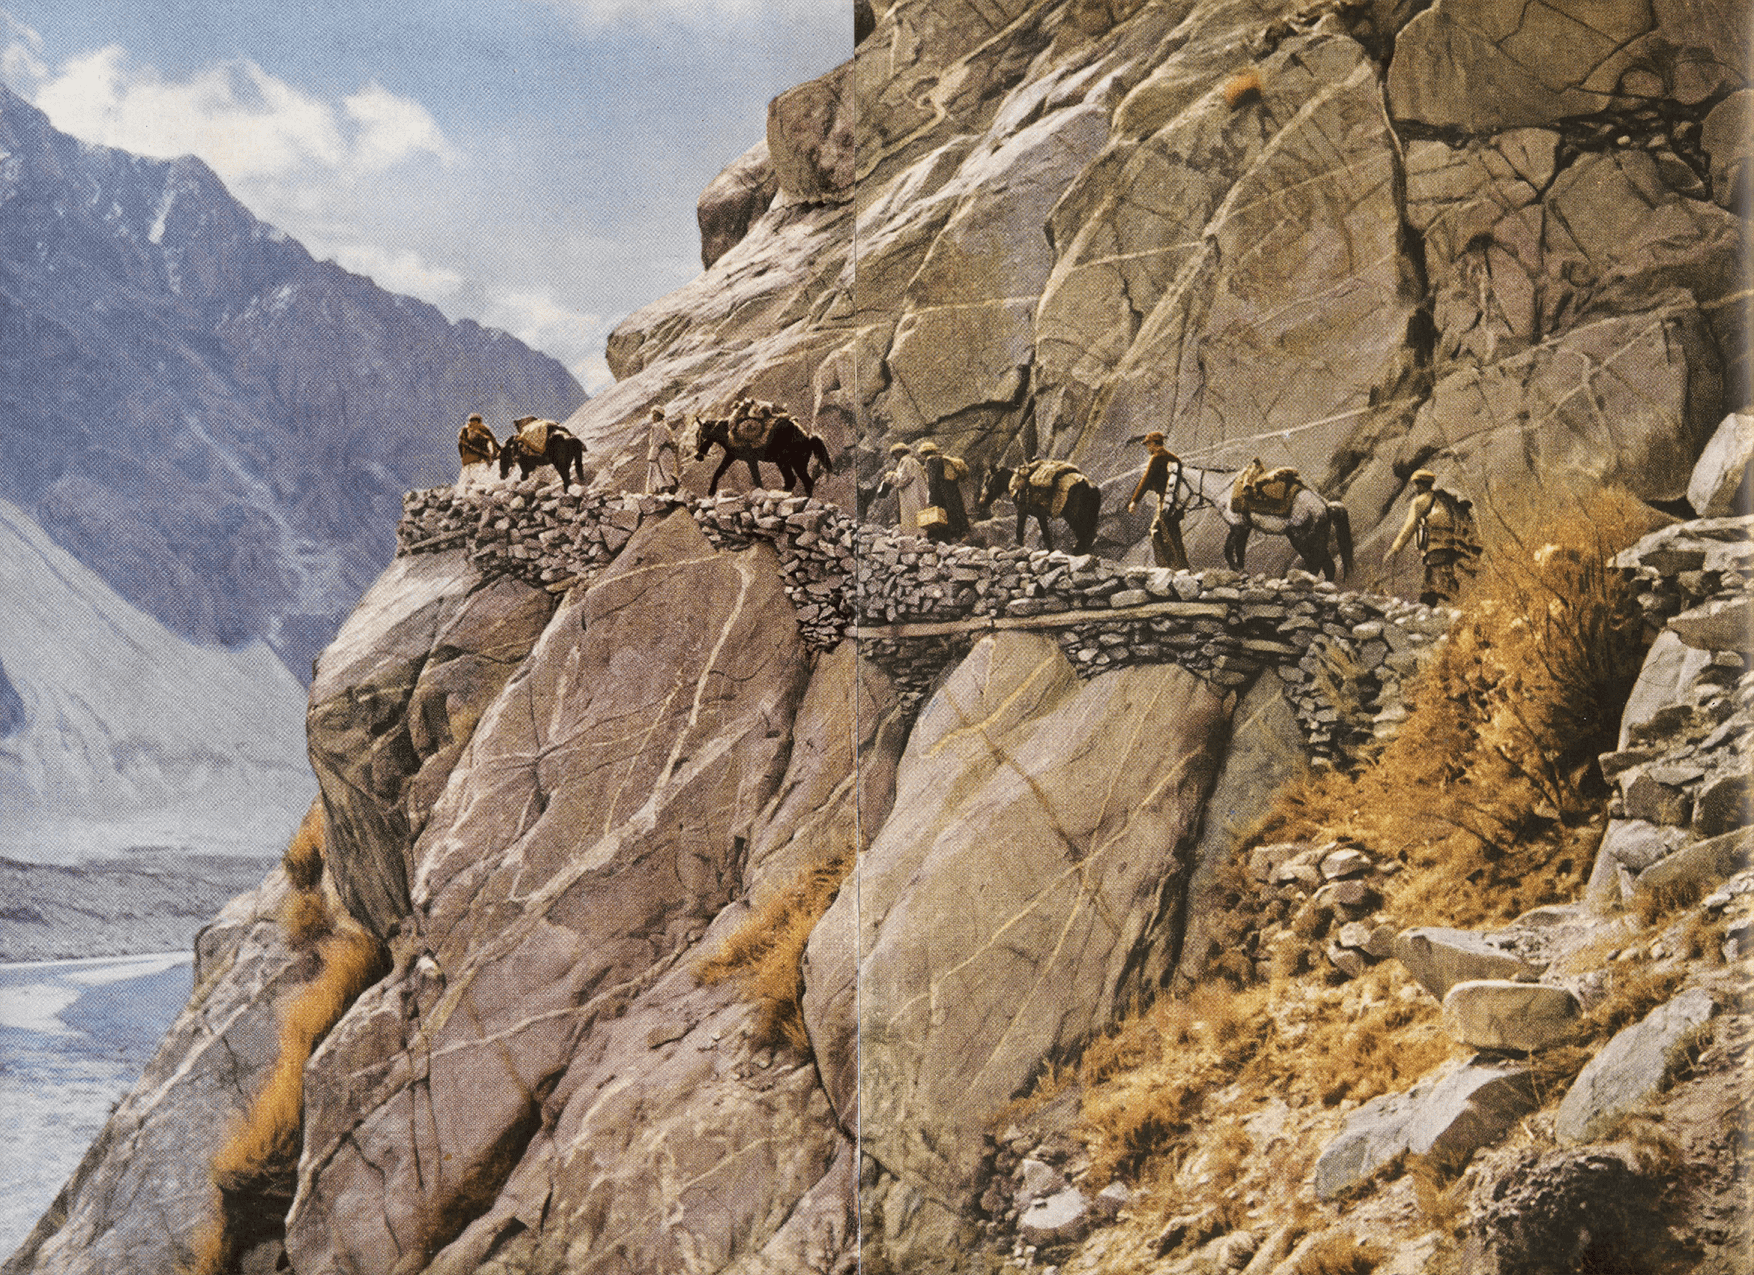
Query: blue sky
(532, 164)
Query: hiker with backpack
(1442, 525)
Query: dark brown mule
(563, 450)
(788, 447)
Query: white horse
(1308, 525)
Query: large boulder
(594, 826)
(1465, 1106)
(1025, 885)
(733, 200)
(1574, 1209)
(1719, 485)
(1440, 957)
(810, 138)
(1491, 1013)
(1633, 1067)
(395, 698)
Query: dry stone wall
(918, 607)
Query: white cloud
(22, 68)
(697, 13)
(242, 121)
(392, 128)
(545, 322)
(294, 158)
(401, 270)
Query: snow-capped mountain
(219, 425)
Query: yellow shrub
(1490, 790)
(303, 859)
(305, 918)
(765, 954)
(268, 1134)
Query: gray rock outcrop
(1719, 485)
(1462, 1108)
(1024, 884)
(734, 199)
(1632, 1067)
(1499, 1014)
(1440, 958)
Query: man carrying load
(1442, 525)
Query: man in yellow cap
(1442, 524)
(476, 446)
(1163, 475)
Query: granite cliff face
(216, 423)
(1355, 238)
(571, 744)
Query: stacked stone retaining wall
(917, 607)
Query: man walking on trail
(908, 479)
(1442, 524)
(1163, 475)
(662, 465)
(476, 446)
(943, 492)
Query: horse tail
(1343, 533)
(819, 449)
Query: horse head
(996, 483)
(707, 432)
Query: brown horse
(1079, 509)
(787, 447)
(562, 449)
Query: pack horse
(1278, 503)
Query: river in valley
(74, 1037)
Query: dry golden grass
(764, 955)
(305, 918)
(265, 1141)
(1490, 792)
(268, 1135)
(211, 1251)
(1339, 1252)
(1440, 1193)
(1242, 88)
(303, 858)
(1151, 1084)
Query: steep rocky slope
(574, 745)
(1077, 222)
(124, 738)
(216, 423)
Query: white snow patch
(156, 234)
(120, 971)
(35, 1007)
